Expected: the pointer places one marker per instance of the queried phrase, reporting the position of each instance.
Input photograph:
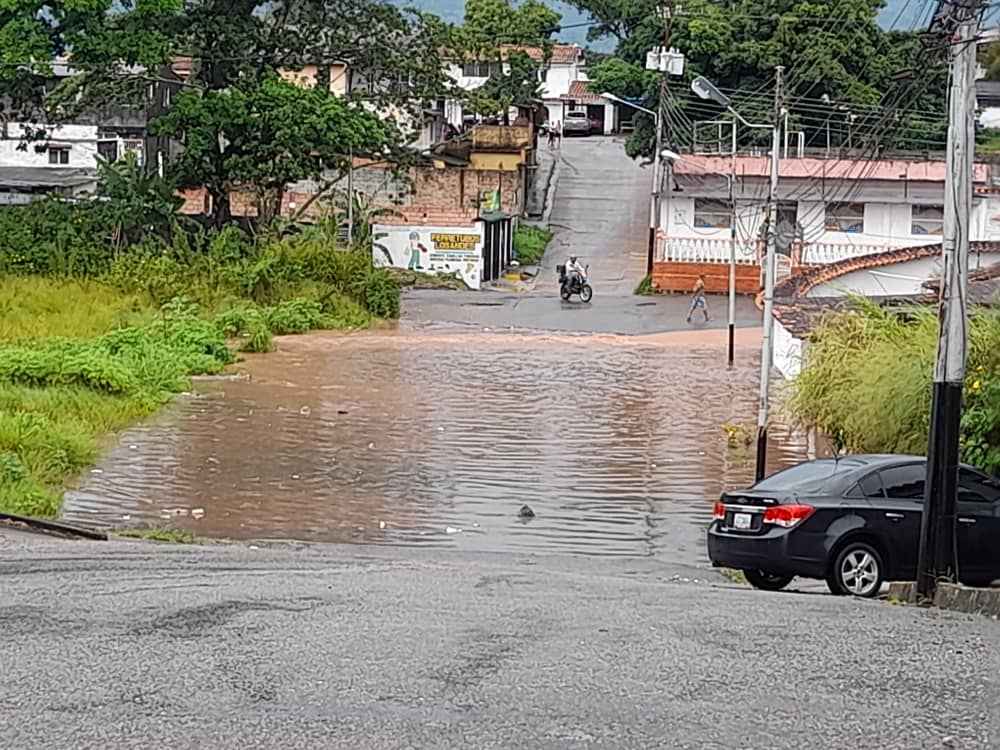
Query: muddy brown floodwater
(439, 438)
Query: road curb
(952, 596)
(54, 528)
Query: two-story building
(560, 67)
(38, 159)
(828, 210)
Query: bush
(295, 316)
(530, 243)
(56, 238)
(867, 382)
(379, 292)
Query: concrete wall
(81, 139)
(896, 279)
(788, 352)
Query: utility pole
(732, 249)
(767, 340)
(350, 199)
(656, 200)
(937, 559)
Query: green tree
(138, 201)
(837, 51)
(242, 126)
(517, 83)
(491, 23)
(264, 135)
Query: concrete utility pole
(656, 201)
(767, 340)
(732, 249)
(937, 558)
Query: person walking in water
(698, 300)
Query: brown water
(438, 438)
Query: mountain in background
(897, 14)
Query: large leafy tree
(492, 23)
(239, 124)
(266, 135)
(832, 52)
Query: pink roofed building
(828, 210)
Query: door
(902, 510)
(978, 527)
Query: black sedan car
(853, 522)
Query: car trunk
(744, 510)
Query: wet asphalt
(136, 645)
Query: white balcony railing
(821, 253)
(716, 250)
(704, 250)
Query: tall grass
(868, 375)
(530, 243)
(33, 307)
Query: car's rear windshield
(812, 476)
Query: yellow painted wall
(499, 162)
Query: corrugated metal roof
(32, 178)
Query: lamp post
(705, 89)
(657, 189)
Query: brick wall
(437, 196)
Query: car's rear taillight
(719, 512)
(788, 516)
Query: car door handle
(895, 516)
(967, 521)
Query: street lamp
(705, 89)
(654, 198)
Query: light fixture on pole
(707, 90)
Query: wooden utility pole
(937, 555)
(770, 223)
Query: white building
(828, 209)
(559, 70)
(904, 274)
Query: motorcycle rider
(575, 271)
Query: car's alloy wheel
(857, 571)
(761, 579)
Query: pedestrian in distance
(698, 300)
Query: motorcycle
(577, 285)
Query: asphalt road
(600, 213)
(140, 646)
(544, 311)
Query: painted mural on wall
(439, 250)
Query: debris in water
(381, 524)
(371, 446)
(526, 512)
(197, 513)
(97, 471)
(451, 530)
(342, 411)
(127, 517)
(295, 476)
(305, 411)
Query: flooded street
(604, 418)
(438, 438)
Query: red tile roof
(562, 54)
(798, 286)
(579, 91)
(830, 169)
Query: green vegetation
(156, 534)
(422, 280)
(646, 287)
(867, 382)
(94, 335)
(530, 243)
(736, 576)
(854, 62)
(988, 141)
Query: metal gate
(498, 244)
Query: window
(481, 69)
(709, 214)
(905, 482)
(974, 487)
(58, 156)
(845, 217)
(870, 486)
(927, 220)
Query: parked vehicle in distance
(576, 123)
(853, 522)
(596, 126)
